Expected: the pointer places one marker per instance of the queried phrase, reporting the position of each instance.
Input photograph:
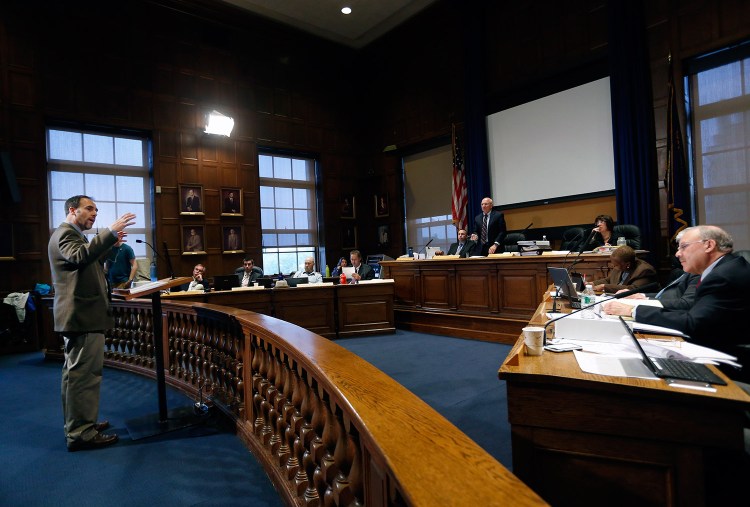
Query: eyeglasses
(683, 246)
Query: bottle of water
(587, 300)
(153, 272)
(328, 271)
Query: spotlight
(219, 124)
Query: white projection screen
(556, 146)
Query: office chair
(510, 242)
(572, 238)
(631, 233)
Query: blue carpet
(458, 378)
(201, 466)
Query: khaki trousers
(81, 381)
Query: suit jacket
(642, 274)
(193, 203)
(680, 293)
(717, 317)
(81, 292)
(366, 272)
(231, 206)
(495, 230)
(254, 274)
(467, 251)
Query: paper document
(638, 302)
(612, 366)
(650, 328)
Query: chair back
(630, 232)
(510, 243)
(572, 238)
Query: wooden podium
(163, 422)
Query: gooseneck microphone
(588, 240)
(643, 288)
(422, 249)
(149, 245)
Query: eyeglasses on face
(683, 246)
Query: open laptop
(264, 282)
(293, 282)
(674, 368)
(226, 282)
(561, 278)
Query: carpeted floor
(208, 464)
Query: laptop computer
(561, 278)
(293, 282)
(264, 282)
(226, 282)
(674, 368)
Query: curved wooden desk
(583, 439)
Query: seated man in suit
(199, 281)
(489, 226)
(717, 317)
(309, 272)
(629, 272)
(463, 248)
(248, 272)
(361, 271)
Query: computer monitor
(264, 282)
(226, 282)
(293, 282)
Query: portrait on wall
(384, 233)
(231, 202)
(6, 245)
(193, 237)
(232, 235)
(191, 199)
(348, 237)
(381, 205)
(347, 207)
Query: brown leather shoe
(100, 440)
(101, 426)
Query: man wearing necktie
(248, 273)
(464, 247)
(309, 272)
(361, 271)
(489, 225)
(82, 314)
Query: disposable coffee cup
(533, 338)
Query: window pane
(129, 207)
(98, 149)
(284, 197)
(287, 239)
(284, 219)
(270, 263)
(300, 198)
(299, 170)
(64, 185)
(101, 187)
(266, 197)
(302, 219)
(107, 214)
(719, 84)
(139, 249)
(282, 168)
(287, 262)
(130, 188)
(723, 169)
(267, 218)
(128, 152)
(65, 145)
(265, 166)
(269, 240)
(58, 213)
(304, 239)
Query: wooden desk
(591, 440)
(487, 298)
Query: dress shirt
(312, 276)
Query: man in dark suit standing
(82, 314)
(717, 318)
(230, 204)
(489, 226)
(361, 271)
(192, 201)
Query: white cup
(533, 338)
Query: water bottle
(544, 237)
(342, 279)
(587, 300)
(410, 252)
(328, 271)
(621, 241)
(153, 272)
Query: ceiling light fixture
(217, 123)
(346, 10)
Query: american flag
(459, 184)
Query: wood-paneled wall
(157, 66)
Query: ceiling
(369, 18)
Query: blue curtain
(636, 176)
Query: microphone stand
(423, 248)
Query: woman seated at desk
(338, 269)
(601, 233)
(628, 272)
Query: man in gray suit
(82, 314)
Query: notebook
(674, 368)
(561, 278)
(226, 282)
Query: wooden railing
(328, 427)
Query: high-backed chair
(510, 242)
(631, 233)
(572, 238)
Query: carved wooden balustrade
(329, 428)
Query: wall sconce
(217, 123)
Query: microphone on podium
(588, 240)
(423, 248)
(644, 288)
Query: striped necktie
(484, 229)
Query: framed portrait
(232, 236)
(381, 205)
(6, 246)
(348, 237)
(231, 202)
(193, 239)
(384, 235)
(191, 199)
(347, 207)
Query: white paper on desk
(613, 366)
(638, 302)
(649, 328)
(686, 351)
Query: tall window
(720, 138)
(288, 212)
(113, 170)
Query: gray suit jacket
(81, 293)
